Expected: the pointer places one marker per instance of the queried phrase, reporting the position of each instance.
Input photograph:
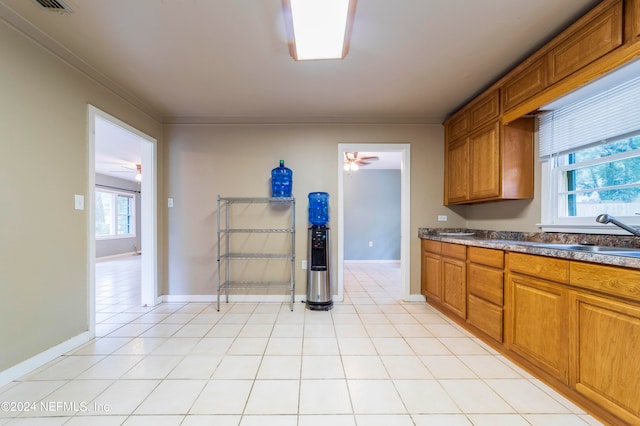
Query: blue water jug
(281, 181)
(318, 208)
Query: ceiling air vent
(54, 5)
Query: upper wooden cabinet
(457, 163)
(605, 38)
(485, 109)
(457, 126)
(633, 19)
(525, 84)
(592, 40)
(493, 162)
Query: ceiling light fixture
(319, 29)
(139, 172)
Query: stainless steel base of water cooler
(319, 291)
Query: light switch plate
(79, 202)
(303, 264)
(170, 202)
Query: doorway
(148, 211)
(405, 209)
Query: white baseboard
(415, 298)
(372, 261)
(36, 361)
(115, 256)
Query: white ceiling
(117, 151)
(410, 61)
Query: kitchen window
(115, 215)
(590, 150)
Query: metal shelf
(244, 285)
(225, 233)
(257, 231)
(263, 256)
(256, 199)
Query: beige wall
(43, 163)
(235, 160)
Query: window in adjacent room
(115, 214)
(590, 149)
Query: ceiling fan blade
(369, 158)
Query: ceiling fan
(130, 169)
(352, 162)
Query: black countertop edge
(527, 242)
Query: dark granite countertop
(530, 242)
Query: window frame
(552, 179)
(115, 214)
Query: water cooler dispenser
(319, 296)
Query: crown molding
(320, 120)
(33, 33)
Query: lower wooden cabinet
(485, 282)
(444, 279)
(605, 346)
(537, 323)
(431, 280)
(575, 324)
(454, 285)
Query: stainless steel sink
(618, 251)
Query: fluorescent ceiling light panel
(320, 28)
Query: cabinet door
(457, 172)
(486, 108)
(593, 40)
(604, 354)
(537, 323)
(484, 154)
(457, 126)
(454, 287)
(525, 84)
(634, 18)
(432, 276)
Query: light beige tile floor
(372, 360)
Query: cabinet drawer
(593, 40)
(485, 316)
(546, 268)
(526, 84)
(458, 126)
(608, 279)
(486, 256)
(432, 246)
(456, 251)
(486, 283)
(485, 109)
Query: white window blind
(609, 115)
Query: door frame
(405, 210)
(148, 211)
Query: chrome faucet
(605, 218)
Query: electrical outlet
(170, 202)
(370, 243)
(304, 264)
(442, 218)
